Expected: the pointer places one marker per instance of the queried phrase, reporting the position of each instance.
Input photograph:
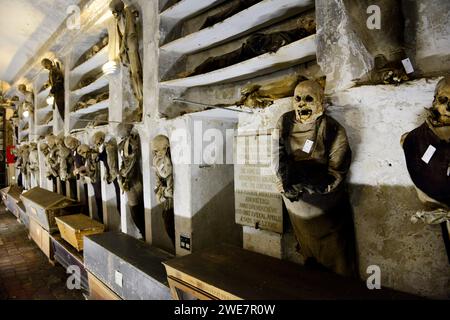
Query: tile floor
(25, 272)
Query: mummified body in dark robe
(235, 8)
(314, 159)
(427, 154)
(130, 176)
(162, 164)
(56, 82)
(107, 153)
(257, 44)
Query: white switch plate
(119, 278)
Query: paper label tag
(308, 146)
(428, 154)
(119, 278)
(408, 66)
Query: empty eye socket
(442, 99)
(298, 98)
(308, 98)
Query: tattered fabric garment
(321, 214)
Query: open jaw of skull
(308, 101)
(441, 103)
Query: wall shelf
(45, 109)
(188, 8)
(97, 84)
(300, 51)
(44, 94)
(93, 63)
(91, 109)
(259, 15)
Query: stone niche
(411, 256)
(344, 56)
(201, 151)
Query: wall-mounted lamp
(110, 67)
(26, 113)
(50, 100)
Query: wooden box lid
(80, 222)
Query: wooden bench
(230, 273)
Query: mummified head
(123, 130)
(160, 145)
(43, 147)
(308, 101)
(98, 138)
(71, 143)
(441, 102)
(51, 140)
(83, 150)
(116, 7)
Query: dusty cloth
(129, 50)
(315, 193)
(231, 11)
(109, 159)
(256, 45)
(164, 191)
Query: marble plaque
(257, 201)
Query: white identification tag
(428, 154)
(119, 279)
(308, 146)
(408, 66)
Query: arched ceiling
(25, 26)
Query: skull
(98, 138)
(441, 103)
(83, 150)
(71, 143)
(308, 101)
(44, 148)
(160, 144)
(51, 140)
(124, 130)
(22, 88)
(116, 7)
(59, 140)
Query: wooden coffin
(44, 206)
(130, 268)
(41, 237)
(99, 291)
(11, 196)
(23, 215)
(67, 256)
(74, 227)
(231, 273)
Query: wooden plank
(99, 291)
(228, 272)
